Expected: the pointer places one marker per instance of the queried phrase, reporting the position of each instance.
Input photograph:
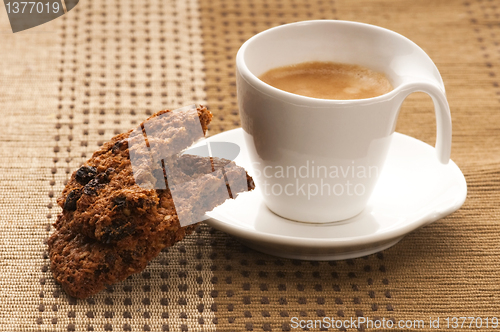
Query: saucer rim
(251, 234)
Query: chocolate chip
(85, 173)
(91, 187)
(96, 183)
(120, 145)
(120, 201)
(120, 229)
(71, 199)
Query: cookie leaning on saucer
(111, 226)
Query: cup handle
(443, 116)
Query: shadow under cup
(318, 160)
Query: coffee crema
(328, 80)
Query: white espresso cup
(318, 160)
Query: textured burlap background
(73, 83)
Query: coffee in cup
(328, 80)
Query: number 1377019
(32, 7)
(471, 322)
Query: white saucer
(414, 190)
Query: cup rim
(293, 98)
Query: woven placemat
(73, 83)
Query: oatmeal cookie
(111, 226)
